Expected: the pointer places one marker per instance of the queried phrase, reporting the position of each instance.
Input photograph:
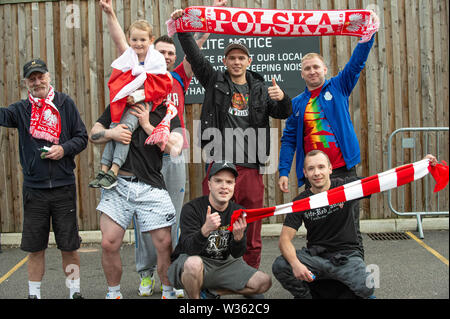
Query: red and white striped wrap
(277, 23)
(367, 186)
(128, 75)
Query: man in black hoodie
(51, 133)
(207, 262)
(235, 123)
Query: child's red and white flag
(275, 23)
(128, 75)
(355, 190)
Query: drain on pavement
(388, 236)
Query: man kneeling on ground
(208, 260)
(333, 250)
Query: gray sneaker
(108, 181)
(94, 183)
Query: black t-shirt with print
(220, 244)
(144, 161)
(243, 143)
(331, 227)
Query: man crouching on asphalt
(207, 261)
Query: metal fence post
(410, 143)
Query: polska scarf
(355, 190)
(277, 23)
(129, 75)
(45, 122)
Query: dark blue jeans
(352, 274)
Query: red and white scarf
(276, 23)
(162, 131)
(128, 75)
(374, 184)
(45, 122)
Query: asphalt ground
(403, 269)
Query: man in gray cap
(51, 134)
(235, 123)
(207, 262)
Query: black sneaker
(77, 295)
(94, 183)
(206, 294)
(32, 297)
(108, 181)
(256, 296)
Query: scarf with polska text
(272, 22)
(45, 121)
(355, 190)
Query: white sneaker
(168, 295)
(179, 293)
(147, 286)
(114, 295)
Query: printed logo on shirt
(239, 105)
(218, 242)
(323, 212)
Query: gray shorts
(152, 206)
(231, 274)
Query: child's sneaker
(108, 181)
(168, 295)
(147, 286)
(94, 183)
(114, 295)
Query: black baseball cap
(216, 167)
(236, 45)
(35, 65)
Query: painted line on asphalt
(431, 250)
(13, 270)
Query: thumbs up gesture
(212, 222)
(275, 93)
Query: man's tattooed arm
(98, 135)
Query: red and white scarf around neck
(277, 23)
(45, 122)
(355, 190)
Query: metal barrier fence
(410, 143)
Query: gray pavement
(406, 270)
